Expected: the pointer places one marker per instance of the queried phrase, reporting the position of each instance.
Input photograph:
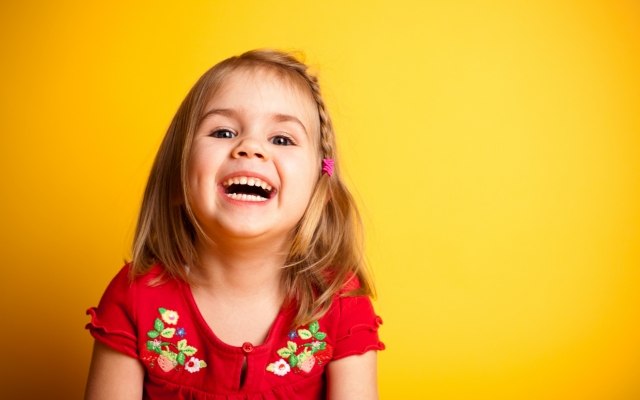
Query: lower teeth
(245, 197)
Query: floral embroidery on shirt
(169, 316)
(303, 355)
(170, 353)
(280, 367)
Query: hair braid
(326, 125)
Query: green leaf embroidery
(181, 358)
(304, 334)
(293, 360)
(271, 367)
(186, 349)
(284, 352)
(314, 327)
(320, 335)
(153, 334)
(158, 325)
(168, 333)
(202, 364)
(162, 310)
(292, 346)
(151, 345)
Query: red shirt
(162, 327)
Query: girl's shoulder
(153, 279)
(127, 291)
(352, 322)
(124, 303)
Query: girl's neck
(241, 269)
(238, 289)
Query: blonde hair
(326, 249)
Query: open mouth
(247, 189)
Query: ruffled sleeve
(357, 330)
(113, 322)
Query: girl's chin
(246, 231)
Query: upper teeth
(244, 180)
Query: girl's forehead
(257, 79)
(265, 89)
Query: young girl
(247, 279)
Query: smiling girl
(247, 279)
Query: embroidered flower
(193, 365)
(171, 353)
(280, 367)
(169, 316)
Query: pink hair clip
(327, 166)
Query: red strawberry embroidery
(165, 363)
(323, 356)
(307, 364)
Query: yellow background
(493, 145)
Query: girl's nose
(249, 148)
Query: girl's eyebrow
(289, 118)
(277, 117)
(217, 111)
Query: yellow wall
(494, 146)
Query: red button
(378, 320)
(247, 347)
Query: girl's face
(254, 161)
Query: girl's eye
(282, 141)
(223, 134)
